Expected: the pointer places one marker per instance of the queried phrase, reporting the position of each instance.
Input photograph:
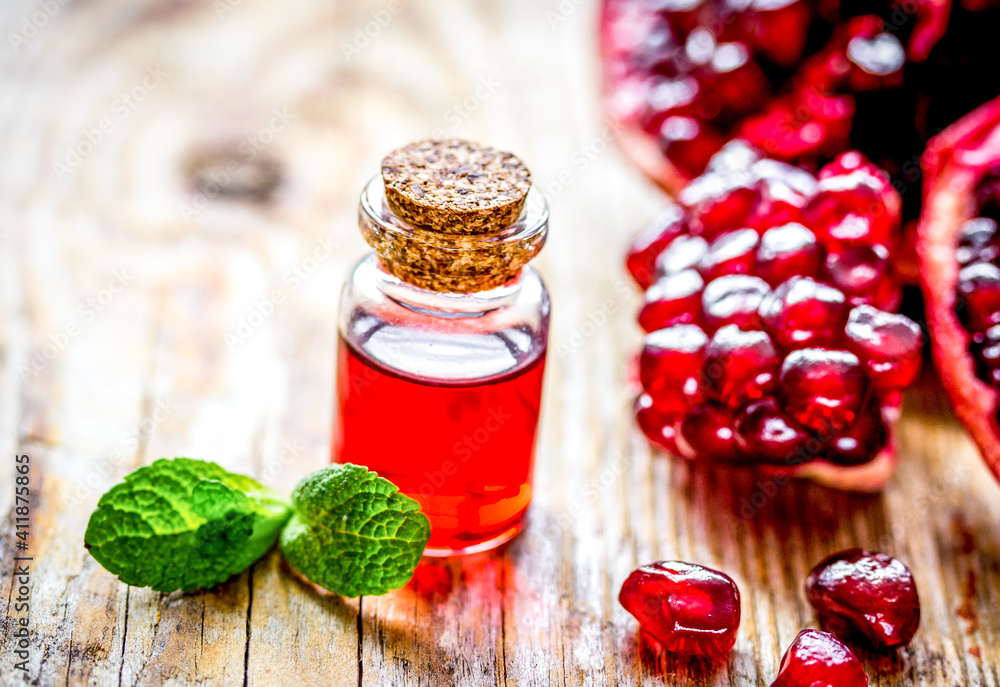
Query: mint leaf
(183, 524)
(353, 533)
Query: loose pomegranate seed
(804, 312)
(670, 365)
(872, 595)
(889, 345)
(739, 366)
(823, 389)
(818, 659)
(733, 299)
(785, 251)
(673, 299)
(689, 609)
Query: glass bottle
(440, 363)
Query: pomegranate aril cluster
(802, 79)
(977, 301)
(769, 297)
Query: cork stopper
(455, 186)
(453, 217)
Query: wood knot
(229, 172)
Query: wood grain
(176, 362)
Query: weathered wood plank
(158, 371)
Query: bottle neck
(443, 304)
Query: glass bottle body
(440, 393)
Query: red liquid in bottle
(463, 448)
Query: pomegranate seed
(732, 83)
(854, 204)
(688, 143)
(641, 261)
(787, 251)
(730, 253)
(673, 299)
(720, 201)
(739, 366)
(871, 595)
(802, 130)
(778, 29)
(861, 273)
(683, 253)
(978, 241)
(766, 433)
(804, 312)
(735, 156)
(866, 436)
(978, 302)
(823, 389)
(987, 355)
(670, 96)
(877, 58)
(818, 659)
(708, 433)
(890, 346)
(655, 424)
(670, 365)
(733, 299)
(784, 192)
(689, 609)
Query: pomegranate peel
(957, 162)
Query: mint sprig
(353, 533)
(184, 524)
(188, 524)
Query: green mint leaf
(353, 533)
(184, 524)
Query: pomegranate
(687, 608)
(768, 304)
(958, 247)
(803, 80)
(871, 596)
(818, 659)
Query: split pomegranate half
(802, 80)
(772, 339)
(959, 250)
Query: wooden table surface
(167, 165)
